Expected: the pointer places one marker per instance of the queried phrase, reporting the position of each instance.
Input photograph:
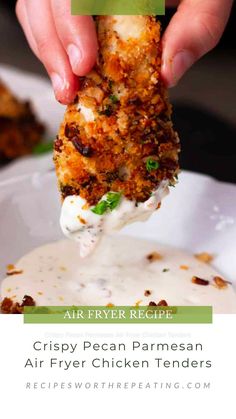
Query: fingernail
(75, 55)
(57, 82)
(61, 88)
(181, 62)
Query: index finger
(77, 35)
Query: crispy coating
(121, 118)
(7, 306)
(19, 129)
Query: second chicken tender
(20, 131)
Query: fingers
(195, 29)
(66, 45)
(23, 19)
(40, 30)
(77, 35)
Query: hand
(66, 45)
(194, 30)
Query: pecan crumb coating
(118, 135)
(7, 306)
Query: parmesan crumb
(152, 257)
(204, 257)
(184, 267)
(82, 220)
(10, 267)
(220, 282)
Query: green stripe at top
(118, 7)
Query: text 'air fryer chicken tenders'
(117, 152)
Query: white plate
(198, 215)
(38, 90)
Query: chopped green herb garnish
(100, 208)
(114, 99)
(110, 203)
(43, 148)
(165, 270)
(152, 164)
(113, 199)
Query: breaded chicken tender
(19, 129)
(117, 144)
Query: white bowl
(198, 215)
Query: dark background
(204, 101)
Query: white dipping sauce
(118, 273)
(79, 223)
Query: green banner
(118, 314)
(118, 7)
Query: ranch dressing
(118, 272)
(78, 222)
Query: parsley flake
(151, 164)
(110, 203)
(42, 148)
(113, 200)
(100, 208)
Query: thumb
(195, 29)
